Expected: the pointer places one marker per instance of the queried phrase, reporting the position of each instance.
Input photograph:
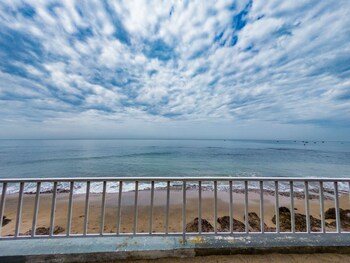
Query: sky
(248, 69)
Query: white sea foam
(113, 187)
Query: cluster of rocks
(224, 225)
(284, 219)
(45, 230)
(300, 221)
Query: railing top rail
(164, 179)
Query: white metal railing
(259, 182)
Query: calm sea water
(85, 158)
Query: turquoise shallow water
(155, 158)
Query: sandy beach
(159, 211)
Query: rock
(330, 213)
(300, 221)
(5, 220)
(254, 223)
(46, 230)
(344, 214)
(237, 226)
(284, 209)
(344, 218)
(193, 226)
(345, 225)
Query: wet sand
(159, 211)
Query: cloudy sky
(177, 69)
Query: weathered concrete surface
(99, 249)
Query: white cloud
(152, 60)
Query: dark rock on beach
(46, 230)
(193, 226)
(344, 214)
(5, 220)
(237, 226)
(300, 221)
(254, 224)
(344, 217)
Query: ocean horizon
(170, 158)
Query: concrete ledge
(100, 249)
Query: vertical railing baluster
(323, 223)
(215, 207)
(200, 207)
(53, 209)
(246, 206)
(19, 209)
(277, 208)
(2, 204)
(103, 208)
(183, 212)
(262, 224)
(119, 206)
(135, 206)
(86, 213)
(36, 208)
(167, 207)
(70, 208)
(231, 208)
(292, 213)
(151, 209)
(307, 206)
(337, 213)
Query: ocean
(166, 158)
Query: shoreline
(238, 187)
(159, 210)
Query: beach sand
(159, 211)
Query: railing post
(215, 207)
(19, 209)
(119, 206)
(70, 208)
(307, 206)
(151, 209)
(292, 213)
(53, 209)
(36, 208)
(184, 212)
(246, 206)
(135, 206)
(86, 213)
(200, 207)
(2, 204)
(337, 214)
(323, 224)
(167, 208)
(262, 224)
(277, 210)
(231, 208)
(103, 208)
